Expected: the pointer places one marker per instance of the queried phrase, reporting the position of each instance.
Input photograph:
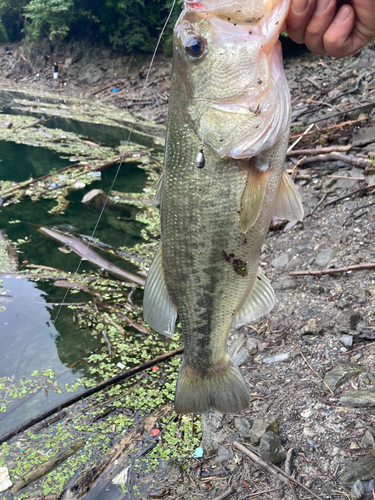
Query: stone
(358, 399)
(313, 327)
(281, 261)
(324, 257)
(243, 426)
(357, 492)
(121, 477)
(261, 426)
(363, 136)
(271, 449)
(346, 321)
(223, 455)
(252, 346)
(368, 439)
(346, 340)
(361, 470)
(97, 198)
(212, 432)
(286, 284)
(341, 374)
(5, 482)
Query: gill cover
(236, 94)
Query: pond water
(29, 338)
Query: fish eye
(194, 46)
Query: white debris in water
(5, 481)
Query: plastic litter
(198, 453)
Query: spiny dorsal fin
(288, 202)
(158, 309)
(252, 198)
(259, 302)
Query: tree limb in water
(89, 392)
(85, 252)
(80, 486)
(45, 468)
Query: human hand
(331, 26)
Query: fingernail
(342, 15)
(321, 6)
(299, 6)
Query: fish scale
(215, 218)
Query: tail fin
(225, 391)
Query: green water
(29, 338)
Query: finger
(340, 40)
(321, 19)
(298, 17)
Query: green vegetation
(129, 25)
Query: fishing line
(118, 168)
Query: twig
(314, 372)
(357, 267)
(45, 468)
(319, 203)
(345, 177)
(363, 188)
(41, 120)
(332, 127)
(356, 210)
(275, 471)
(264, 492)
(329, 117)
(89, 392)
(331, 149)
(350, 160)
(300, 137)
(226, 494)
(362, 347)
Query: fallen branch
(227, 494)
(89, 392)
(314, 372)
(41, 120)
(84, 251)
(275, 471)
(331, 149)
(363, 188)
(45, 468)
(357, 267)
(332, 127)
(347, 111)
(350, 160)
(80, 486)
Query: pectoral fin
(288, 202)
(158, 309)
(252, 198)
(260, 301)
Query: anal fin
(259, 302)
(158, 309)
(288, 202)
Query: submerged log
(45, 468)
(84, 251)
(81, 485)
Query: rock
(361, 470)
(261, 426)
(212, 432)
(358, 398)
(357, 492)
(5, 481)
(224, 454)
(368, 439)
(285, 357)
(271, 449)
(341, 374)
(347, 321)
(286, 284)
(324, 257)
(291, 224)
(243, 426)
(252, 345)
(363, 136)
(280, 261)
(313, 327)
(346, 340)
(96, 198)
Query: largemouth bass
(223, 180)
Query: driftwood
(84, 251)
(45, 468)
(80, 486)
(272, 469)
(357, 267)
(89, 392)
